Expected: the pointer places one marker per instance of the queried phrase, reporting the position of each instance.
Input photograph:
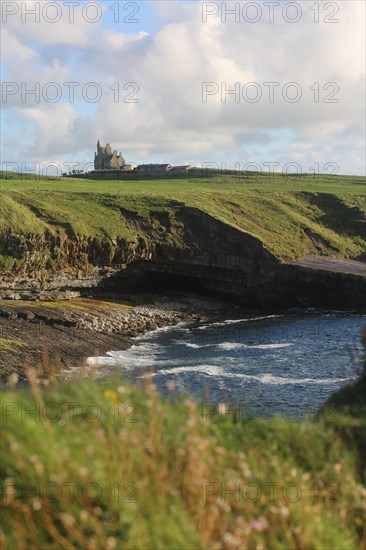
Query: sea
(263, 365)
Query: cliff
(184, 248)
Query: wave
(235, 321)
(210, 370)
(192, 345)
(228, 346)
(236, 345)
(135, 356)
(270, 379)
(189, 345)
(182, 327)
(215, 370)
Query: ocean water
(267, 364)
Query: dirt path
(333, 264)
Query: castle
(106, 159)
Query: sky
(265, 85)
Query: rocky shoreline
(57, 336)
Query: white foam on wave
(270, 379)
(237, 345)
(210, 370)
(135, 356)
(192, 345)
(215, 370)
(228, 346)
(182, 327)
(235, 321)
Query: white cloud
(169, 67)
(51, 23)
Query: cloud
(51, 23)
(169, 67)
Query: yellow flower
(112, 395)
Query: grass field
(107, 466)
(292, 216)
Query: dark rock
(26, 315)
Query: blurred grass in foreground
(103, 465)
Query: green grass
(83, 305)
(10, 344)
(293, 217)
(105, 465)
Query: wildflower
(84, 516)
(225, 506)
(259, 525)
(112, 395)
(247, 473)
(37, 505)
(231, 541)
(67, 519)
(39, 467)
(34, 459)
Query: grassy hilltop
(292, 216)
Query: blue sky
(181, 59)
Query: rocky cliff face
(207, 255)
(57, 267)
